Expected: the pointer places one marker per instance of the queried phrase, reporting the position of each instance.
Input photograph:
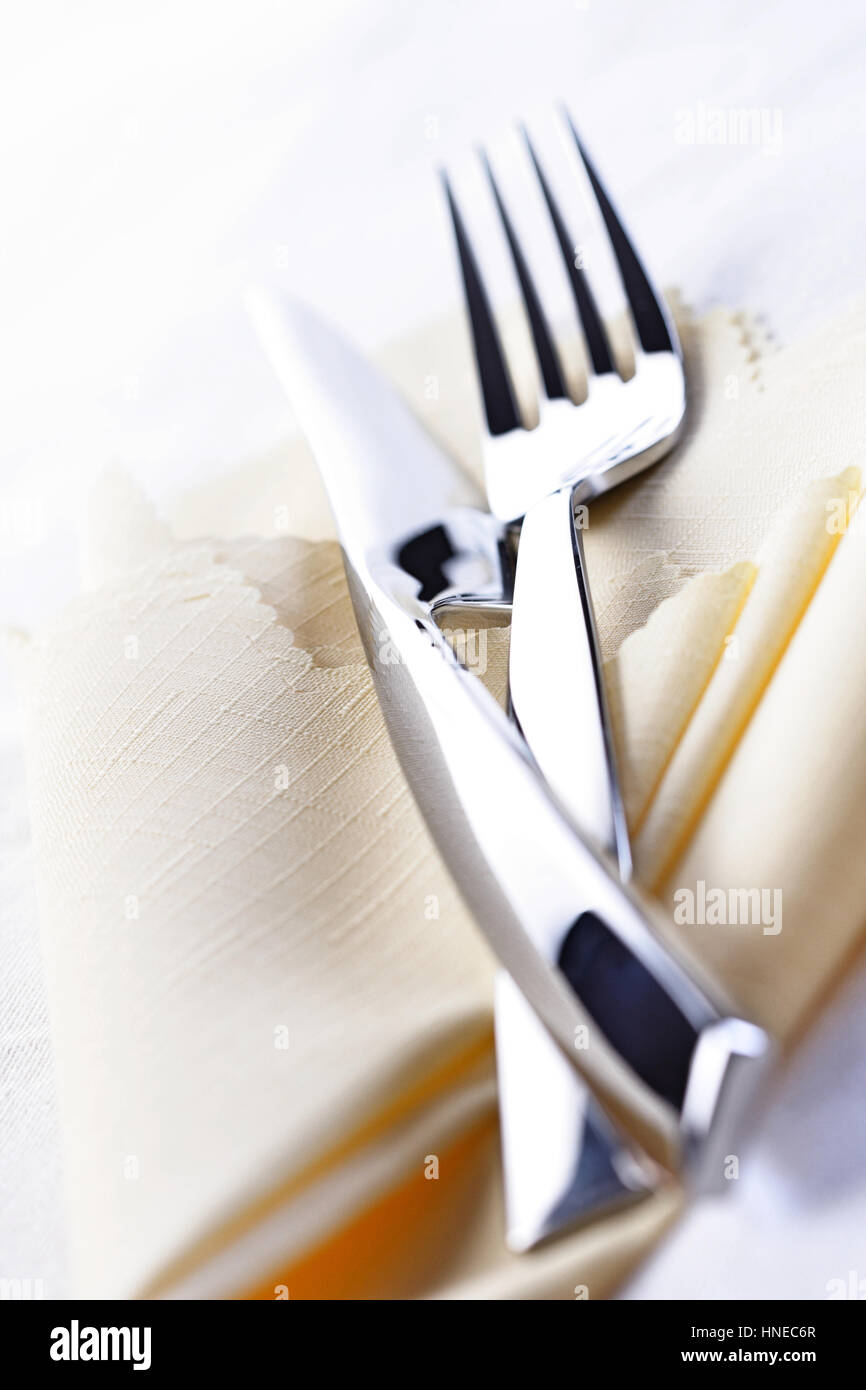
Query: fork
(571, 409)
(569, 412)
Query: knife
(668, 1059)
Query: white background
(156, 158)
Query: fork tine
(597, 344)
(650, 319)
(551, 374)
(559, 339)
(498, 397)
(502, 339)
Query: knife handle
(668, 1059)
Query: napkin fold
(271, 1010)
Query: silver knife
(668, 1059)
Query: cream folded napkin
(271, 1011)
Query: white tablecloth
(156, 161)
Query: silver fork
(571, 409)
(568, 414)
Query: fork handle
(555, 675)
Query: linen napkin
(271, 1011)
